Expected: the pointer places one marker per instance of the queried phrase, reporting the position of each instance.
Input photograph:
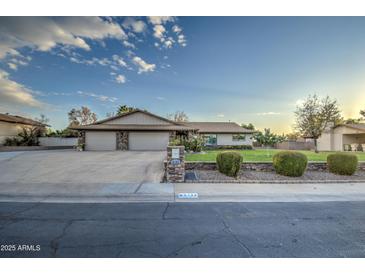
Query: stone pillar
(175, 166)
(81, 140)
(122, 140)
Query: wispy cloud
(268, 113)
(160, 98)
(143, 66)
(120, 79)
(100, 97)
(12, 92)
(135, 25)
(220, 115)
(45, 33)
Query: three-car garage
(143, 140)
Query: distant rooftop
(5, 117)
(218, 127)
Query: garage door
(100, 140)
(148, 140)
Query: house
(223, 133)
(11, 125)
(342, 137)
(142, 130)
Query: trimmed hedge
(229, 163)
(342, 163)
(290, 163)
(239, 147)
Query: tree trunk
(315, 145)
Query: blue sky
(242, 69)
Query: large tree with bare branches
(82, 116)
(315, 114)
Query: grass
(262, 155)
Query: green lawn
(262, 155)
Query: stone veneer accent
(81, 138)
(175, 172)
(259, 166)
(122, 140)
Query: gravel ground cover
(265, 176)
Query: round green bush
(229, 163)
(342, 163)
(290, 163)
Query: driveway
(90, 167)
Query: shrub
(239, 147)
(229, 163)
(195, 143)
(290, 163)
(342, 163)
(11, 141)
(176, 142)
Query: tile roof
(356, 126)
(19, 120)
(218, 127)
(132, 127)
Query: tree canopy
(82, 116)
(178, 116)
(248, 126)
(315, 115)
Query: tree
(292, 136)
(42, 119)
(83, 116)
(362, 113)
(267, 138)
(41, 130)
(124, 109)
(349, 121)
(248, 126)
(315, 115)
(178, 116)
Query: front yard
(261, 155)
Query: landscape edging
(259, 166)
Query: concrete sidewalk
(152, 192)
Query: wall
(226, 139)
(324, 143)
(57, 141)
(9, 130)
(138, 118)
(293, 145)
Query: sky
(241, 69)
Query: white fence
(57, 141)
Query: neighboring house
(142, 130)
(223, 133)
(341, 137)
(11, 125)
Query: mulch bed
(206, 176)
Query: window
(238, 137)
(210, 139)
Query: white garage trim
(100, 140)
(145, 140)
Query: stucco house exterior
(142, 130)
(11, 125)
(342, 137)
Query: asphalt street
(310, 229)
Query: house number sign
(175, 153)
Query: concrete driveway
(69, 166)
